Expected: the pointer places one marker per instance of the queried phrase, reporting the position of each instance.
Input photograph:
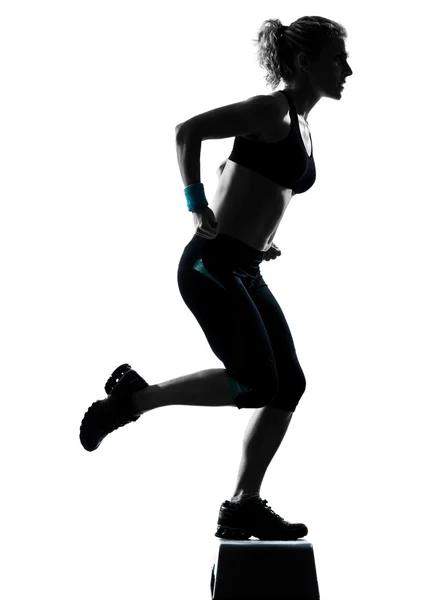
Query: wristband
(195, 196)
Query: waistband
(224, 241)
(229, 250)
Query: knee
(300, 385)
(290, 392)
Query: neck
(303, 98)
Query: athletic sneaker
(104, 416)
(255, 518)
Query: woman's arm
(188, 147)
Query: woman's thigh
(231, 323)
(291, 378)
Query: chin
(334, 94)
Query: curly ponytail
(277, 45)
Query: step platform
(264, 570)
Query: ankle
(242, 497)
(141, 400)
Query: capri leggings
(220, 282)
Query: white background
(94, 222)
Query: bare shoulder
(278, 127)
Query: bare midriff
(249, 206)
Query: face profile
(331, 70)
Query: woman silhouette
(219, 274)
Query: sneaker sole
(90, 413)
(236, 533)
(232, 533)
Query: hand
(205, 223)
(272, 253)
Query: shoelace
(278, 517)
(265, 504)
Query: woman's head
(305, 51)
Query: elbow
(182, 129)
(178, 133)
(186, 130)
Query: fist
(272, 253)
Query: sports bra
(285, 162)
